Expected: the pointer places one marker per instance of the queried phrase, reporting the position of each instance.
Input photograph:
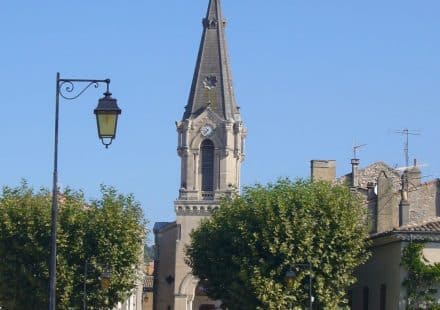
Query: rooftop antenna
(356, 148)
(355, 166)
(406, 133)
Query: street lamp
(105, 279)
(291, 275)
(107, 113)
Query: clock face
(206, 130)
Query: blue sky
(311, 77)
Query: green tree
(242, 253)
(422, 279)
(104, 234)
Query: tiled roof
(430, 226)
(429, 229)
(160, 225)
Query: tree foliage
(245, 249)
(104, 234)
(422, 280)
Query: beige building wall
(383, 268)
(323, 170)
(147, 301)
(164, 268)
(186, 283)
(431, 253)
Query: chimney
(355, 172)
(414, 174)
(404, 203)
(323, 170)
(387, 217)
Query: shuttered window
(383, 297)
(207, 154)
(366, 296)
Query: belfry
(211, 147)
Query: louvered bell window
(207, 158)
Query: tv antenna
(406, 133)
(356, 148)
(415, 165)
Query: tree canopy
(92, 237)
(243, 252)
(422, 279)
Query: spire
(212, 82)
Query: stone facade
(399, 207)
(383, 188)
(323, 170)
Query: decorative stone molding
(195, 209)
(187, 195)
(238, 126)
(183, 151)
(210, 23)
(228, 125)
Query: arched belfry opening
(207, 165)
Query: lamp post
(291, 274)
(107, 113)
(106, 281)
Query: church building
(210, 144)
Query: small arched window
(207, 161)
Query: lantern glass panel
(106, 124)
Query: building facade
(210, 145)
(211, 148)
(401, 210)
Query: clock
(206, 130)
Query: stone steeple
(210, 145)
(212, 82)
(211, 134)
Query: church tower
(210, 144)
(210, 141)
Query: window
(383, 297)
(207, 160)
(365, 298)
(179, 232)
